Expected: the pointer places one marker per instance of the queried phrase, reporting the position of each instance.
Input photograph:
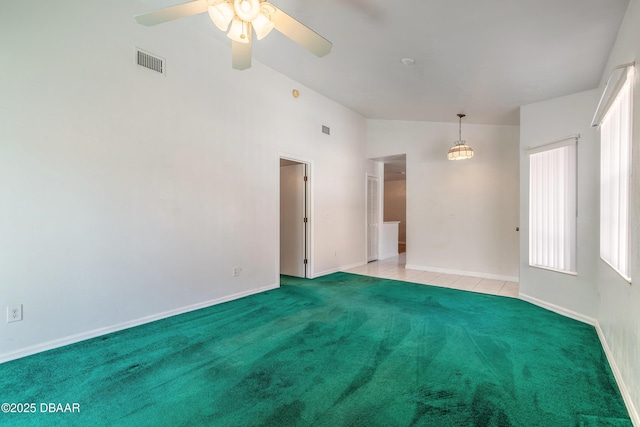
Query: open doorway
(395, 196)
(294, 218)
(392, 171)
(373, 217)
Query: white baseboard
(343, 268)
(326, 272)
(462, 273)
(349, 267)
(72, 339)
(628, 401)
(633, 413)
(560, 310)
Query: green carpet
(340, 350)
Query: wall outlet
(236, 271)
(14, 313)
(452, 216)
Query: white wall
(598, 294)
(395, 205)
(481, 194)
(545, 122)
(375, 168)
(126, 195)
(619, 305)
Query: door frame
(366, 213)
(309, 271)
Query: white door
(293, 223)
(373, 203)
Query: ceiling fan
(238, 18)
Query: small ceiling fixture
(460, 149)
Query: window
(552, 206)
(615, 168)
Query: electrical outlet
(14, 313)
(236, 271)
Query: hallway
(393, 268)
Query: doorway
(373, 206)
(392, 205)
(395, 196)
(294, 218)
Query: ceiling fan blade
(241, 55)
(300, 33)
(173, 12)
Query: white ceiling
(483, 58)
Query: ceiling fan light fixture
(460, 149)
(236, 19)
(239, 31)
(221, 14)
(247, 10)
(262, 26)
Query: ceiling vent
(326, 130)
(150, 61)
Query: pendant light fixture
(460, 149)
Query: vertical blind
(552, 206)
(615, 157)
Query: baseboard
(633, 413)
(462, 273)
(72, 339)
(349, 267)
(326, 272)
(628, 401)
(338, 269)
(560, 310)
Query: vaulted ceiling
(483, 58)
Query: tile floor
(393, 268)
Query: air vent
(326, 130)
(150, 61)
